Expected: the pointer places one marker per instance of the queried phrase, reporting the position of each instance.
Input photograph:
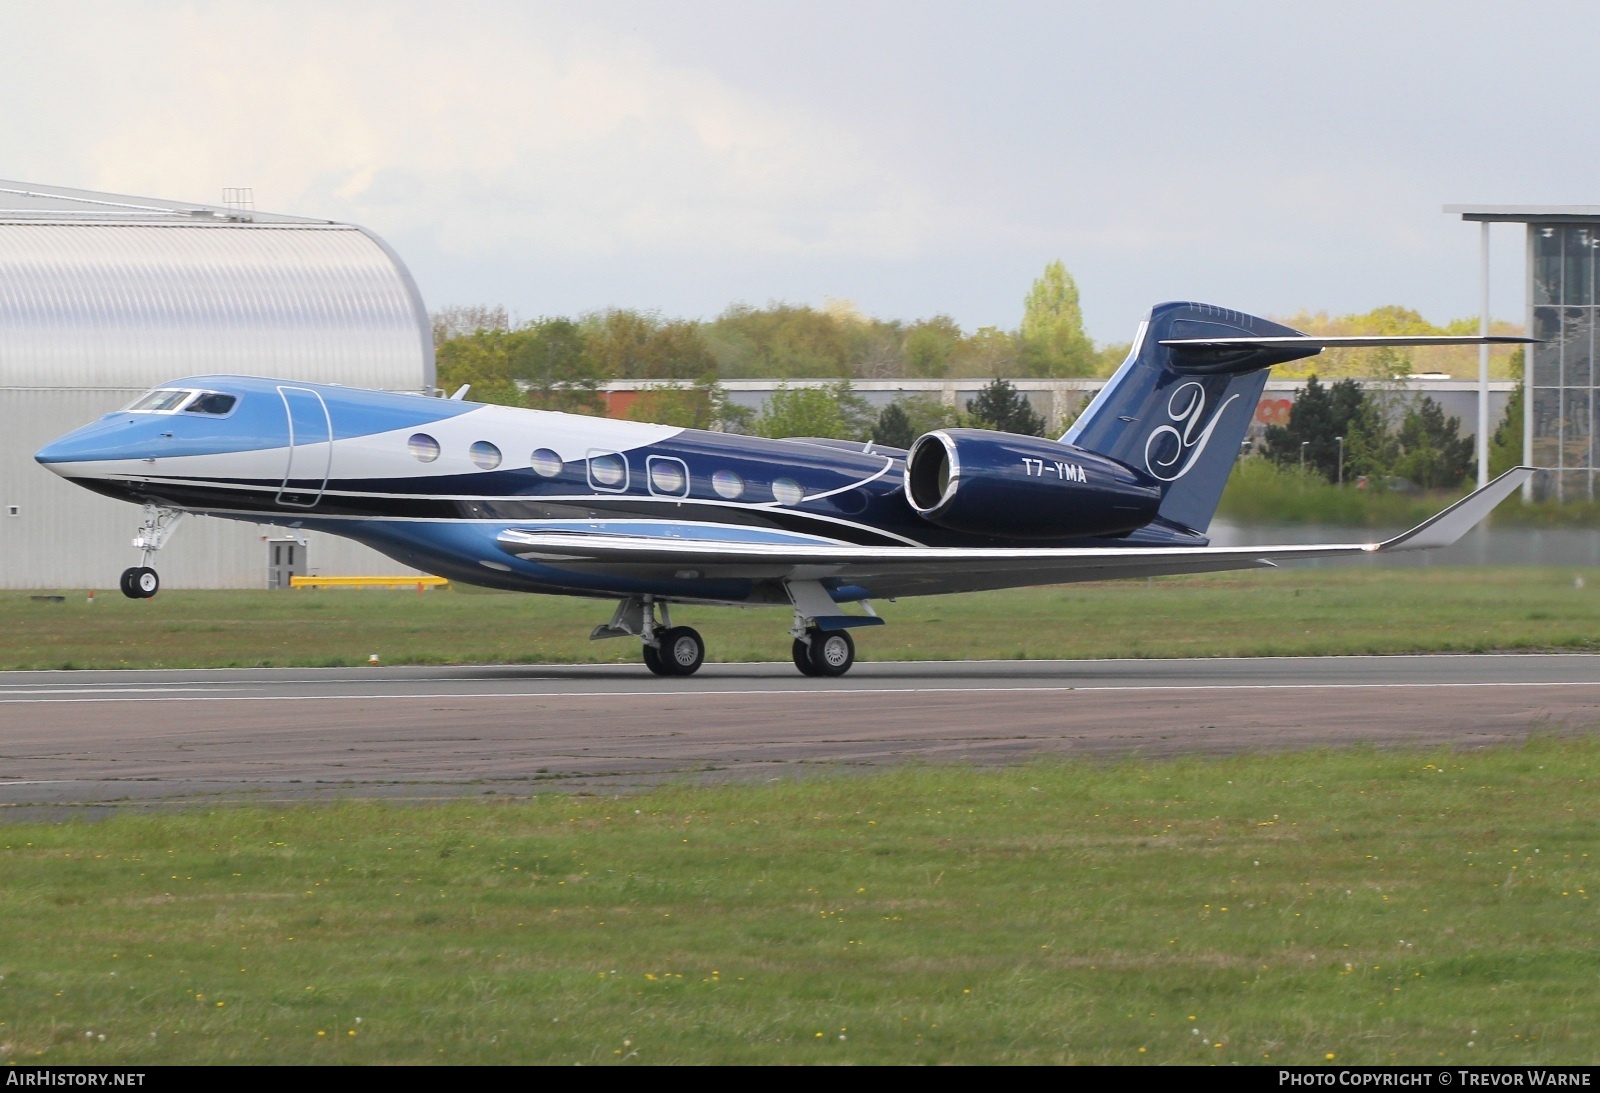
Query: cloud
(491, 128)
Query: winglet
(1461, 517)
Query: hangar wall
(103, 297)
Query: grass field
(1359, 906)
(1300, 611)
(1261, 493)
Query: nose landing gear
(140, 582)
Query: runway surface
(83, 743)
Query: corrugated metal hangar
(104, 296)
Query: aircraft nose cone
(89, 443)
(54, 453)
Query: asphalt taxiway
(79, 743)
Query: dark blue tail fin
(1180, 414)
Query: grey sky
(913, 158)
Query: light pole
(1340, 439)
(1303, 444)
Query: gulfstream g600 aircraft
(651, 516)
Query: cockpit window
(170, 400)
(163, 400)
(210, 402)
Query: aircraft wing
(908, 570)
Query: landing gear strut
(668, 650)
(140, 582)
(822, 642)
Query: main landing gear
(822, 643)
(824, 654)
(140, 582)
(668, 650)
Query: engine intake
(989, 483)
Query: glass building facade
(1561, 376)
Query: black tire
(832, 653)
(146, 582)
(802, 656)
(127, 585)
(683, 650)
(653, 661)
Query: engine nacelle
(983, 482)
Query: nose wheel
(140, 583)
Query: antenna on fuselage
(461, 392)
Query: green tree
(1371, 447)
(550, 359)
(703, 406)
(894, 427)
(1433, 453)
(481, 359)
(678, 350)
(1002, 407)
(834, 411)
(909, 416)
(1320, 416)
(782, 341)
(1505, 445)
(988, 351)
(617, 342)
(929, 346)
(1053, 341)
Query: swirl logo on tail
(1172, 450)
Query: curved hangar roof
(101, 290)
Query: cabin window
(728, 485)
(211, 402)
(668, 477)
(786, 491)
(546, 462)
(423, 447)
(484, 455)
(608, 471)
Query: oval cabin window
(423, 447)
(546, 462)
(608, 470)
(786, 491)
(485, 455)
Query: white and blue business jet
(652, 516)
